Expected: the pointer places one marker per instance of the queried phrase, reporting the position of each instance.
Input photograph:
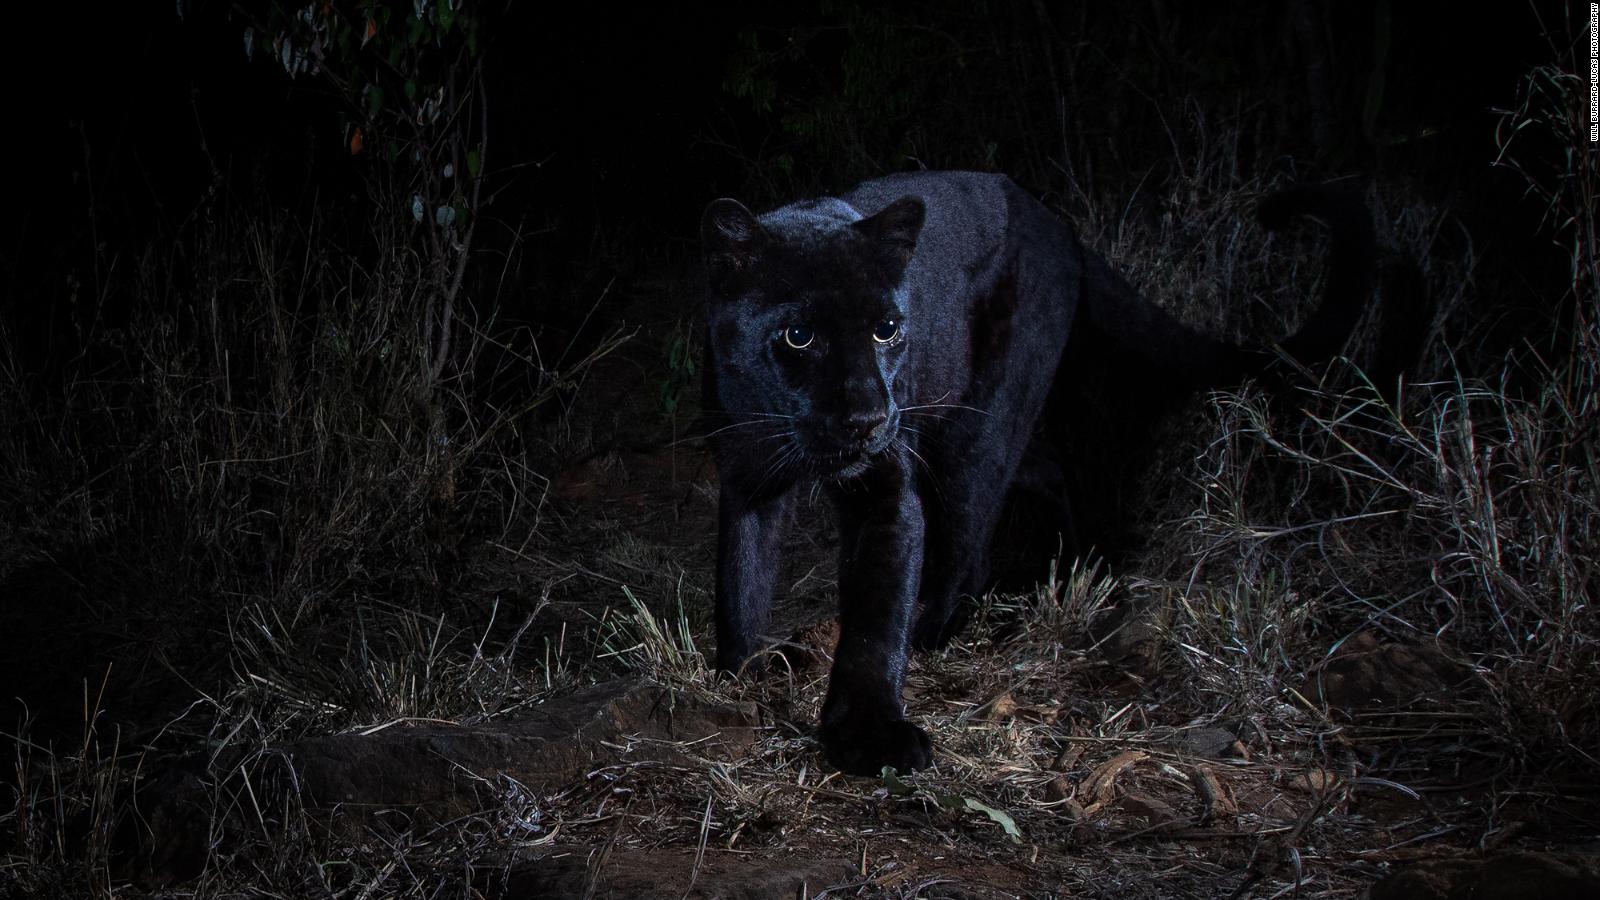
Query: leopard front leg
(880, 565)
(749, 555)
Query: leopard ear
(896, 226)
(731, 236)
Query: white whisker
(933, 477)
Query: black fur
(897, 345)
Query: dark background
(628, 116)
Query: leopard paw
(864, 747)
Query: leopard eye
(885, 331)
(799, 336)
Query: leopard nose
(864, 425)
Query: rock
(1152, 809)
(1507, 876)
(1129, 638)
(440, 771)
(1211, 742)
(428, 774)
(1366, 675)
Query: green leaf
(1001, 817)
(374, 101)
(899, 788)
(474, 163)
(891, 780)
(411, 89)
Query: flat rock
(1129, 638)
(1211, 741)
(1367, 675)
(427, 774)
(438, 769)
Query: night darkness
(341, 434)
